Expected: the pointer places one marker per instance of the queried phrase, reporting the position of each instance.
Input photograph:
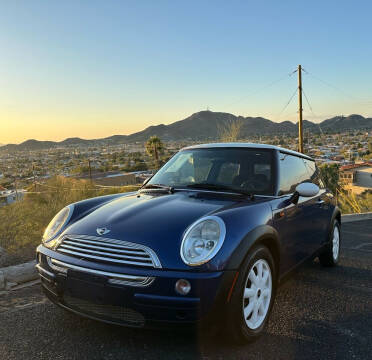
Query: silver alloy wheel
(257, 294)
(335, 243)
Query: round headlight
(57, 223)
(203, 240)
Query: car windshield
(242, 169)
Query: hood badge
(102, 231)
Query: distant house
(356, 178)
(112, 178)
(8, 197)
(118, 179)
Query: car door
(296, 222)
(312, 226)
(322, 212)
(288, 221)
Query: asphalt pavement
(319, 313)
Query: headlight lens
(203, 240)
(57, 223)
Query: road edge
(356, 217)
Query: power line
(311, 109)
(260, 89)
(366, 102)
(308, 103)
(288, 102)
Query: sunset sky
(97, 68)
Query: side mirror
(307, 189)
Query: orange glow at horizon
(16, 128)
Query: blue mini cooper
(205, 241)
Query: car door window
(313, 172)
(292, 172)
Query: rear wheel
(331, 254)
(253, 296)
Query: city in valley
(129, 164)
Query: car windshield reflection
(249, 171)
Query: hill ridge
(204, 125)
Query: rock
(2, 281)
(3, 257)
(2, 251)
(10, 285)
(20, 273)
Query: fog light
(183, 287)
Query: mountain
(350, 122)
(204, 126)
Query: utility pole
(300, 130)
(90, 171)
(16, 189)
(33, 173)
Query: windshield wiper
(169, 189)
(215, 187)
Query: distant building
(8, 197)
(356, 178)
(116, 180)
(112, 178)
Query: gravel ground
(320, 313)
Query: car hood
(155, 220)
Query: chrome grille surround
(113, 278)
(100, 249)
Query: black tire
(236, 325)
(327, 257)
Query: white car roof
(246, 145)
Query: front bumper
(104, 292)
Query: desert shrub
(350, 203)
(230, 131)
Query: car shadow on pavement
(319, 313)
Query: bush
(22, 224)
(350, 203)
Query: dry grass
(22, 224)
(351, 204)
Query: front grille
(113, 278)
(106, 250)
(106, 312)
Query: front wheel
(331, 255)
(253, 296)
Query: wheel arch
(262, 235)
(337, 215)
(274, 249)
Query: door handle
(320, 202)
